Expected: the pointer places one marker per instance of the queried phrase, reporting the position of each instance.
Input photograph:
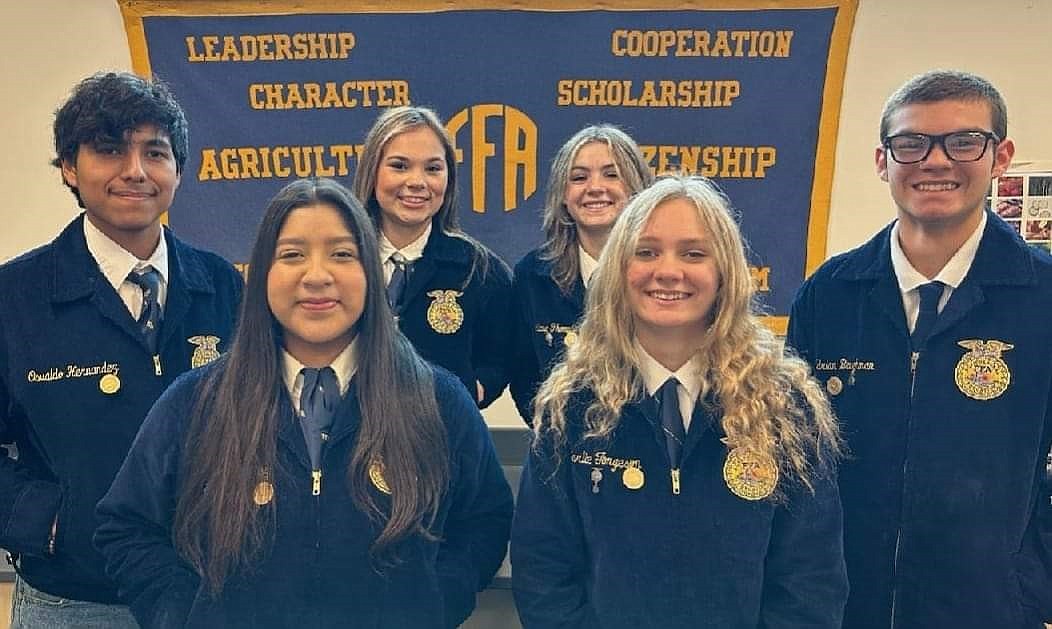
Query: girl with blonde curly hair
(683, 466)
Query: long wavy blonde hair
(769, 401)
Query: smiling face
(411, 182)
(316, 285)
(125, 185)
(595, 193)
(938, 192)
(672, 279)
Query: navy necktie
(150, 316)
(399, 279)
(671, 420)
(318, 401)
(930, 294)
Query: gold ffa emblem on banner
(750, 475)
(445, 315)
(206, 350)
(982, 374)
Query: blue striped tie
(318, 401)
(150, 316)
(399, 279)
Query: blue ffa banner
(742, 93)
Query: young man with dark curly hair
(93, 328)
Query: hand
(479, 391)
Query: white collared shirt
(116, 263)
(587, 263)
(345, 365)
(410, 253)
(951, 275)
(689, 376)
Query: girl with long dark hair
(318, 474)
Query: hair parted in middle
(560, 230)
(396, 121)
(232, 435)
(768, 400)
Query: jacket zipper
(914, 357)
(157, 365)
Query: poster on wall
(737, 91)
(1023, 198)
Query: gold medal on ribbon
(834, 385)
(982, 374)
(376, 475)
(633, 478)
(445, 315)
(205, 351)
(749, 474)
(569, 338)
(109, 384)
(264, 491)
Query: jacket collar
(706, 416)
(76, 274)
(447, 249)
(345, 423)
(543, 269)
(1002, 258)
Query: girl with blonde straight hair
(592, 177)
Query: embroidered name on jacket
(72, 370)
(602, 459)
(844, 364)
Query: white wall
(48, 45)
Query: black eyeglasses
(960, 146)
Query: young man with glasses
(932, 342)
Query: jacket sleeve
(135, 530)
(801, 318)
(28, 505)
(805, 577)
(478, 521)
(549, 554)
(491, 344)
(523, 369)
(1035, 558)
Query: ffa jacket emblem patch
(206, 351)
(445, 315)
(750, 475)
(982, 374)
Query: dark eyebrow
(328, 241)
(436, 158)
